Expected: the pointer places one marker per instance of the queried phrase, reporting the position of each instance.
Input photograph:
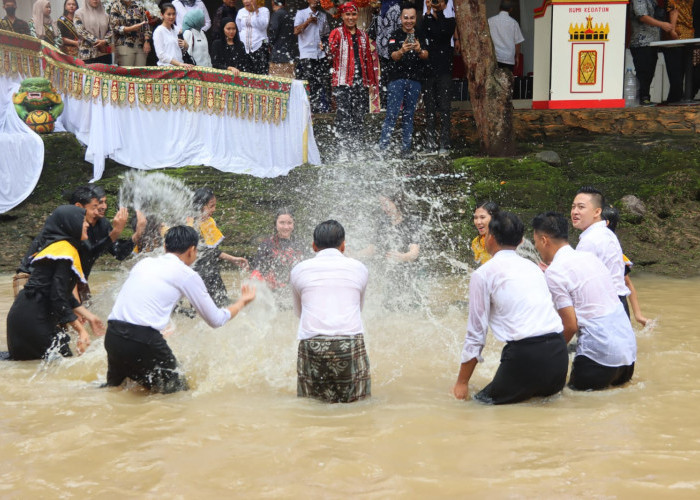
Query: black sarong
(334, 369)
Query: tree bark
(490, 87)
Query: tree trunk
(490, 87)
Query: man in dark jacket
(282, 40)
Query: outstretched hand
(247, 293)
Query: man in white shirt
(328, 295)
(585, 298)
(135, 345)
(586, 213)
(506, 36)
(312, 28)
(510, 295)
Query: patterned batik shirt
(642, 33)
(18, 26)
(684, 24)
(121, 16)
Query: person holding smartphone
(407, 49)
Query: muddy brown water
(242, 432)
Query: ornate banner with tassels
(248, 96)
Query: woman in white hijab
(92, 25)
(42, 26)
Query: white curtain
(21, 151)
(150, 139)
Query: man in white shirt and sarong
(597, 239)
(510, 295)
(328, 295)
(135, 345)
(585, 298)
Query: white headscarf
(39, 18)
(95, 19)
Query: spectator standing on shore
(437, 92)
(680, 16)
(198, 46)
(645, 29)
(92, 25)
(228, 51)
(311, 28)
(226, 9)
(389, 21)
(67, 29)
(282, 40)
(132, 33)
(182, 7)
(42, 26)
(12, 23)
(353, 74)
(165, 41)
(506, 36)
(405, 72)
(252, 22)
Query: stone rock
(549, 157)
(634, 205)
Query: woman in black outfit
(228, 52)
(36, 323)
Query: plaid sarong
(334, 369)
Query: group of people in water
(535, 310)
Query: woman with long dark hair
(67, 28)
(482, 217)
(278, 254)
(38, 319)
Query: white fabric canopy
(21, 151)
(149, 139)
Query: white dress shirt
(252, 27)
(165, 43)
(580, 280)
(328, 294)
(310, 38)
(509, 294)
(602, 242)
(154, 287)
(506, 34)
(181, 9)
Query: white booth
(580, 48)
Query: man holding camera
(311, 27)
(438, 84)
(407, 49)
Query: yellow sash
(63, 250)
(481, 256)
(211, 234)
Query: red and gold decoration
(40, 121)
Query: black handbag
(186, 57)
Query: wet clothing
(208, 265)
(275, 259)
(587, 375)
(531, 367)
(141, 354)
(333, 369)
(481, 256)
(509, 294)
(35, 322)
(601, 242)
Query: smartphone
(410, 38)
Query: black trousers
(644, 66)
(587, 375)
(317, 73)
(623, 299)
(352, 103)
(141, 354)
(532, 367)
(437, 96)
(675, 68)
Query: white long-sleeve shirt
(580, 280)
(328, 294)
(310, 38)
(602, 242)
(510, 295)
(154, 287)
(252, 27)
(181, 9)
(165, 44)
